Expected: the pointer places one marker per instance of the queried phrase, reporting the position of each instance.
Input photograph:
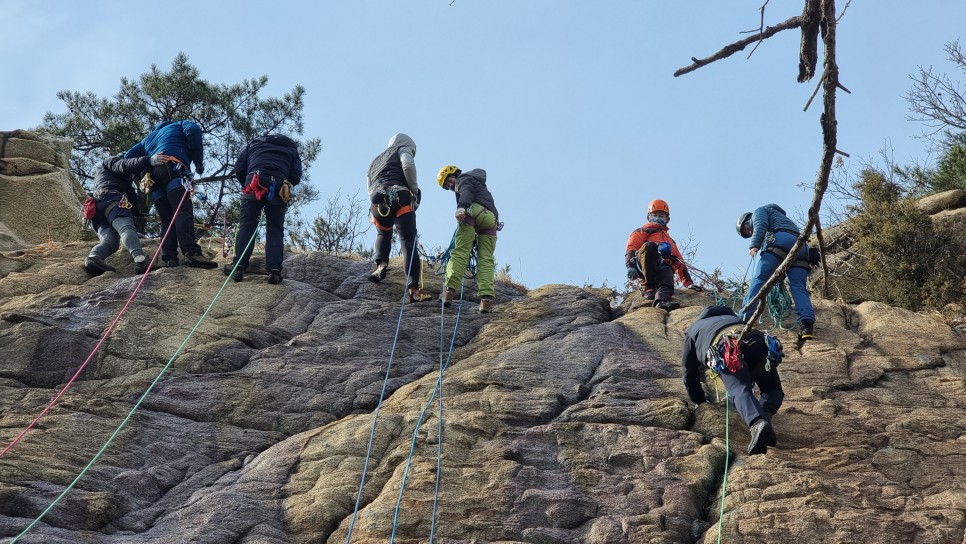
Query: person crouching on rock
(711, 342)
(114, 198)
(651, 250)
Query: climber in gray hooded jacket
(394, 196)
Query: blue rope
(419, 421)
(382, 396)
(724, 483)
(440, 260)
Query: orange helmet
(658, 206)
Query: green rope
(135, 407)
(724, 483)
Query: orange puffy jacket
(652, 232)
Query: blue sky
(570, 107)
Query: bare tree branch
(829, 124)
(733, 48)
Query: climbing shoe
(448, 296)
(807, 330)
(198, 260)
(96, 266)
(418, 295)
(275, 277)
(140, 264)
(486, 305)
(171, 263)
(666, 305)
(649, 294)
(761, 434)
(237, 275)
(379, 273)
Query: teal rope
(419, 421)
(724, 483)
(134, 408)
(439, 261)
(382, 396)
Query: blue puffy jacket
(181, 139)
(769, 218)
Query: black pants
(657, 275)
(384, 215)
(251, 210)
(166, 201)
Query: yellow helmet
(446, 172)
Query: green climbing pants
(485, 246)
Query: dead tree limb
(733, 48)
(830, 85)
(817, 20)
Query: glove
(664, 249)
(695, 287)
(159, 158)
(199, 168)
(460, 214)
(634, 274)
(285, 193)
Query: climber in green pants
(478, 221)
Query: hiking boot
(96, 266)
(807, 330)
(274, 277)
(448, 296)
(761, 434)
(140, 264)
(171, 263)
(198, 260)
(666, 305)
(649, 294)
(237, 275)
(379, 273)
(486, 305)
(418, 295)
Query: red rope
(102, 340)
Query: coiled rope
(137, 404)
(97, 347)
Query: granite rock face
(563, 419)
(40, 201)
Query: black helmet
(744, 219)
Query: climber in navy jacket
(268, 167)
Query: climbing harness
(130, 414)
(94, 351)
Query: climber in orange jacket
(653, 257)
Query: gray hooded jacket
(394, 166)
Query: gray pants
(120, 230)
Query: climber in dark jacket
(181, 140)
(771, 234)
(477, 221)
(115, 197)
(394, 195)
(703, 345)
(268, 167)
